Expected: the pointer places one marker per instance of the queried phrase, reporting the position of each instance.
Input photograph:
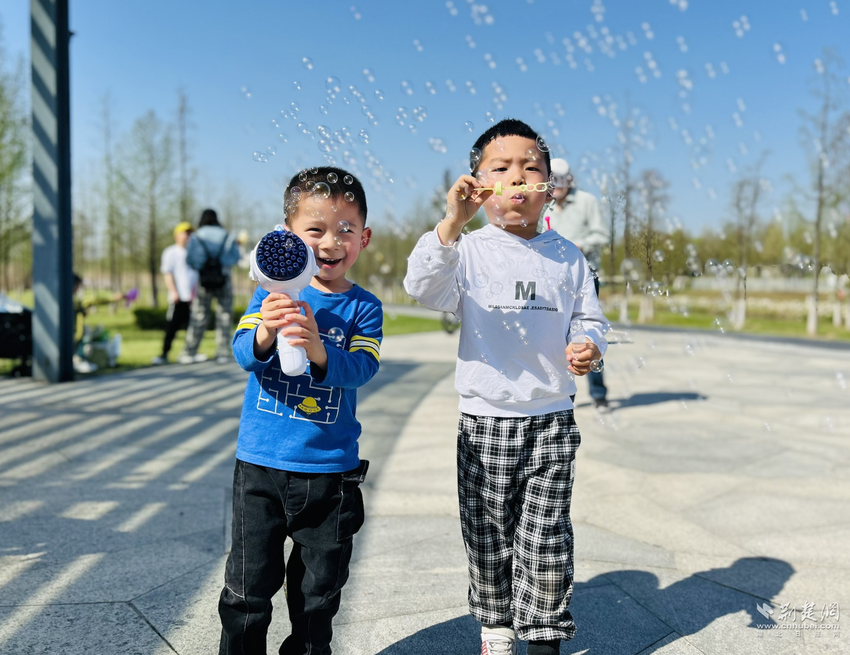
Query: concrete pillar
(53, 316)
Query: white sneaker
(159, 360)
(498, 640)
(84, 366)
(186, 358)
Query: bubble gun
(283, 263)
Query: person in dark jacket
(211, 251)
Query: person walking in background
(181, 281)
(211, 252)
(575, 216)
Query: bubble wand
(282, 263)
(498, 189)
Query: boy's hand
(462, 201)
(305, 331)
(275, 310)
(579, 362)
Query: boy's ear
(365, 237)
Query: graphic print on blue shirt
(299, 397)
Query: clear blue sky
(140, 53)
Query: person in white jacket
(525, 300)
(574, 214)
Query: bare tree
(148, 181)
(114, 234)
(14, 126)
(823, 130)
(632, 135)
(653, 197)
(183, 156)
(614, 202)
(747, 193)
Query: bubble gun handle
(293, 359)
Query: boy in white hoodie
(517, 294)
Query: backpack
(211, 274)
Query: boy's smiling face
(334, 229)
(514, 160)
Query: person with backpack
(211, 251)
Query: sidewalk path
(718, 483)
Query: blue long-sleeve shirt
(307, 423)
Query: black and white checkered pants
(515, 481)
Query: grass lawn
(138, 346)
(754, 325)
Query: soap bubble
(481, 280)
(333, 177)
(474, 158)
(349, 196)
(364, 136)
(379, 94)
(348, 179)
(469, 126)
(531, 154)
(597, 365)
(307, 63)
(541, 144)
(694, 265)
(322, 190)
(333, 85)
(658, 256)
(496, 288)
(343, 226)
(271, 150)
(336, 334)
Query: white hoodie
(515, 298)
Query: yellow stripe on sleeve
(369, 349)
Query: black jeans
(596, 381)
(320, 512)
(177, 319)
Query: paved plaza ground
(719, 483)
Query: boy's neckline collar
(540, 237)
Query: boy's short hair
(506, 127)
(339, 181)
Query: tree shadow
(625, 612)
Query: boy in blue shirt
(297, 466)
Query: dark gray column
(53, 318)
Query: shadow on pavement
(625, 612)
(641, 399)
